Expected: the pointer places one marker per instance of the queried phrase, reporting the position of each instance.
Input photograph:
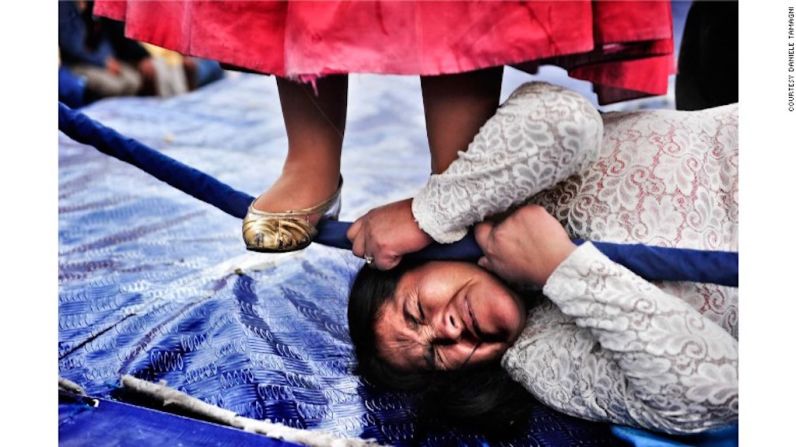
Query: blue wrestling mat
(80, 424)
(156, 284)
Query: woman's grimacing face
(446, 315)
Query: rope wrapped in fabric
(650, 262)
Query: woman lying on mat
(577, 331)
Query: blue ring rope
(650, 262)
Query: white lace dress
(607, 345)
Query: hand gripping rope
(650, 262)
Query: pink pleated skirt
(623, 47)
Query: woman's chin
(500, 312)
(511, 324)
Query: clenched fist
(385, 234)
(524, 248)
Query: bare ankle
(313, 172)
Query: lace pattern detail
(664, 178)
(540, 136)
(611, 346)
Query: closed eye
(413, 322)
(410, 319)
(432, 355)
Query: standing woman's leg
(284, 217)
(315, 126)
(456, 106)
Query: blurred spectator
(88, 51)
(96, 50)
(201, 72)
(175, 74)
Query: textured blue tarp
(652, 263)
(121, 425)
(719, 437)
(83, 129)
(156, 284)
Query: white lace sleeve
(619, 349)
(540, 136)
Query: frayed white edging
(176, 399)
(67, 385)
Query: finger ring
(368, 259)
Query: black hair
(483, 398)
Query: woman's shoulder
(541, 101)
(695, 118)
(544, 320)
(546, 90)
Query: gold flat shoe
(265, 231)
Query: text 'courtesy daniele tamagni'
(791, 68)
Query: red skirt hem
(624, 47)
